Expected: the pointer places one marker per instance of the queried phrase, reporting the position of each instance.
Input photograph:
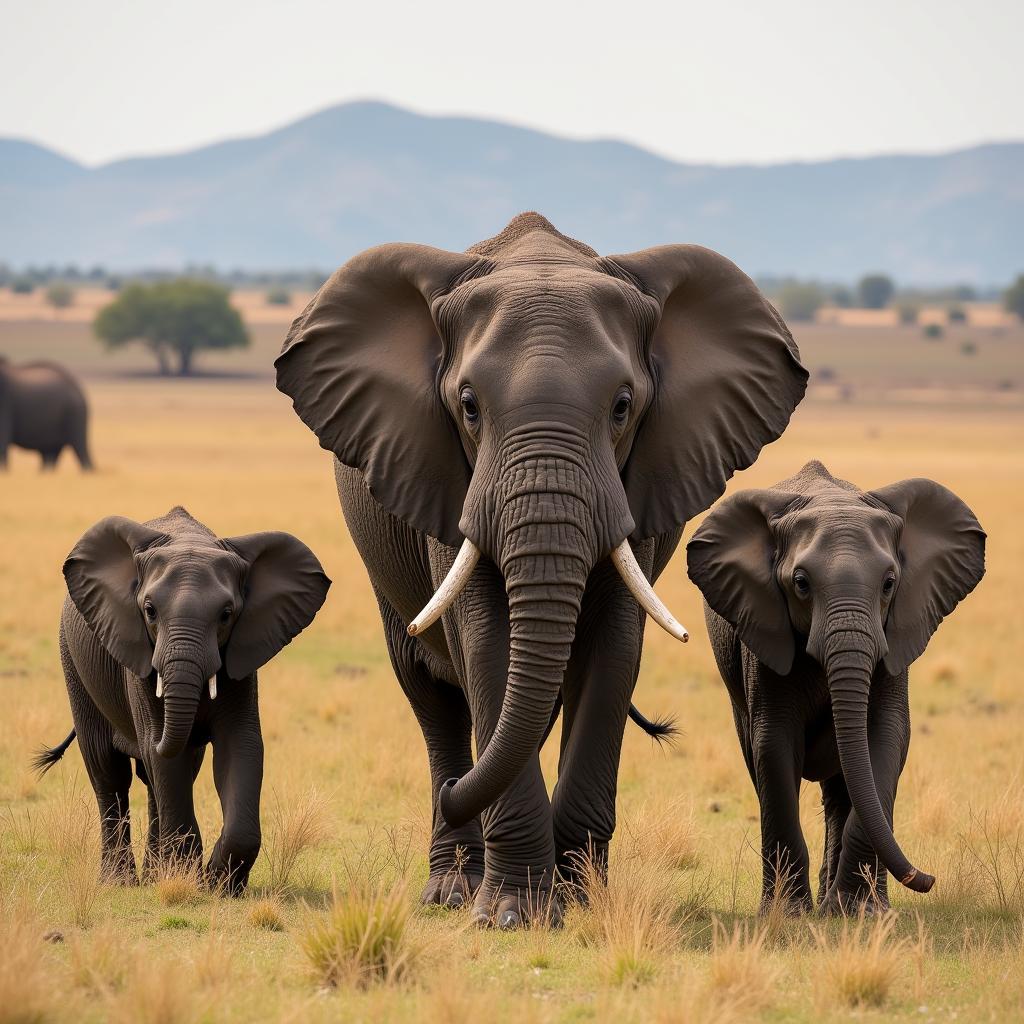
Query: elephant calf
(818, 597)
(161, 635)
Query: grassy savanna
(331, 928)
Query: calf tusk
(159, 685)
(634, 578)
(213, 687)
(451, 587)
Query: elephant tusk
(451, 587)
(159, 685)
(634, 578)
(213, 687)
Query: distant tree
(23, 285)
(908, 312)
(1013, 297)
(180, 316)
(933, 332)
(799, 300)
(60, 295)
(278, 297)
(841, 297)
(956, 315)
(875, 291)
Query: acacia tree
(875, 291)
(178, 317)
(1013, 297)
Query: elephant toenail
(508, 920)
(455, 899)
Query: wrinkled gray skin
(169, 597)
(819, 596)
(545, 403)
(43, 409)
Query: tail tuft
(661, 729)
(48, 757)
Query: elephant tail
(48, 757)
(660, 729)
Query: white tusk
(159, 685)
(451, 587)
(634, 578)
(213, 687)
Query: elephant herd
(521, 432)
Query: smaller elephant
(818, 597)
(161, 635)
(42, 408)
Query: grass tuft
(363, 937)
(863, 963)
(267, 913)
(294, 826)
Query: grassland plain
(675, 937)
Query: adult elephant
(521, 431)
(42, 408)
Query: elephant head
(857, 578)
(537, 404)
(189, 606)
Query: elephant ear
(361, 367)
(942, 556)
(727, 379)
(731, 558)
(102, 574)
(285, 586)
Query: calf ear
(102, 574)
(731, 558)
(942, 558)
(284, 588)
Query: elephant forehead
(841, 524)
(187, 565)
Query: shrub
(278, 297)
(800, 300)
(968, 348)
(908, 312)
(1013, 297)
(956, 315)
(60, 295)
(933, 332)
(23, 286)
(875, 291)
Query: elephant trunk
(187, 660)
(548, 544)
(849, 660)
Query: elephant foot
(452, 888)
(580, 872)
(850, 903)
(119, 869)
(504, 906)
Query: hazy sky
(711, 80)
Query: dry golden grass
(335, 719)
(268, 914)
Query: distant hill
(315, 192)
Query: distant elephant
(521, 431)
(42, 408)
(818, 597)
(161, 635)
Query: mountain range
(313, 193)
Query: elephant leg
(110, 773)
(81, 450)
(238, 776)
(860, 878)
(598, 687)
(456, 855)
(49, 460)
(835, 801)
(171, 780)
(778, 762)
(151, 858)
(519, 849)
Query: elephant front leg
(785, 862)
(171, 781)
(598, 687)
(238, 776)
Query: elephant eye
(620, 411)
(225, 615)
(470, 410)
(801, 583)
(889, 585)
(150, 611)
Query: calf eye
(150, 611)
(889, 584)
(801, 583)
(470, 409)
(620, 410)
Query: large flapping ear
(728, 377)
(361, 366)
(942, 556)
(102, 575)
(731, 558)
(285, 585)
